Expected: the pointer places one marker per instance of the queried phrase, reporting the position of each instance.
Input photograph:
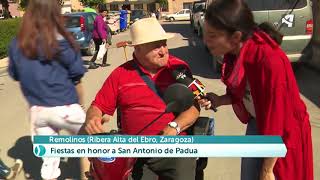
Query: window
(181, 12)
(187, 5)
(114, 7)
(187, 11)
(151, 7)
(260, 5)
(138, 6)
(71, 21)
(165, 8)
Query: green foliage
(163, 3)
(8, 30)
(23, 4)
(92, 3)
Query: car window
(181, 12)
(90, 21)
(136, 13)
(71, 21)
(188, 11)
(199, 8)
(261, 5)
(284, 4)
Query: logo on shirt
(107, 159)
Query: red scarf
(234, 74)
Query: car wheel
(91, 49)
(171, 19)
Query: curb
(3, 65)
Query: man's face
(154, 54)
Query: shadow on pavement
(70, 168)
(195, 54)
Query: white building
(66, 8)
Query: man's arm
(184, 120)
(94, 121)
(267, 169)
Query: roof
(79, 13)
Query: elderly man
(126, 89)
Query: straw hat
(148, 30)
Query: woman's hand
(211, 100)
(267, 175)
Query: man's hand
(94, 121)
(169, 131)
(267, 169)
(94, 125)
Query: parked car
(113, 21)
(296, 26)
(196, 12)
(80, 24)
(183, 14)
(138, 14)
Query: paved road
(14, 124)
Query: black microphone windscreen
(182, 77)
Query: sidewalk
(3, 65)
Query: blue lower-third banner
(158, 146)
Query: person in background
(10, 173)
(261, 87)
(100, 36)
(158, 14)
(49, 69)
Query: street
(15, 129)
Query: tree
(163, 3)
(5, 6)
(91, 3)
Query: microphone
(183, 76)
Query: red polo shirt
(139, 105)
